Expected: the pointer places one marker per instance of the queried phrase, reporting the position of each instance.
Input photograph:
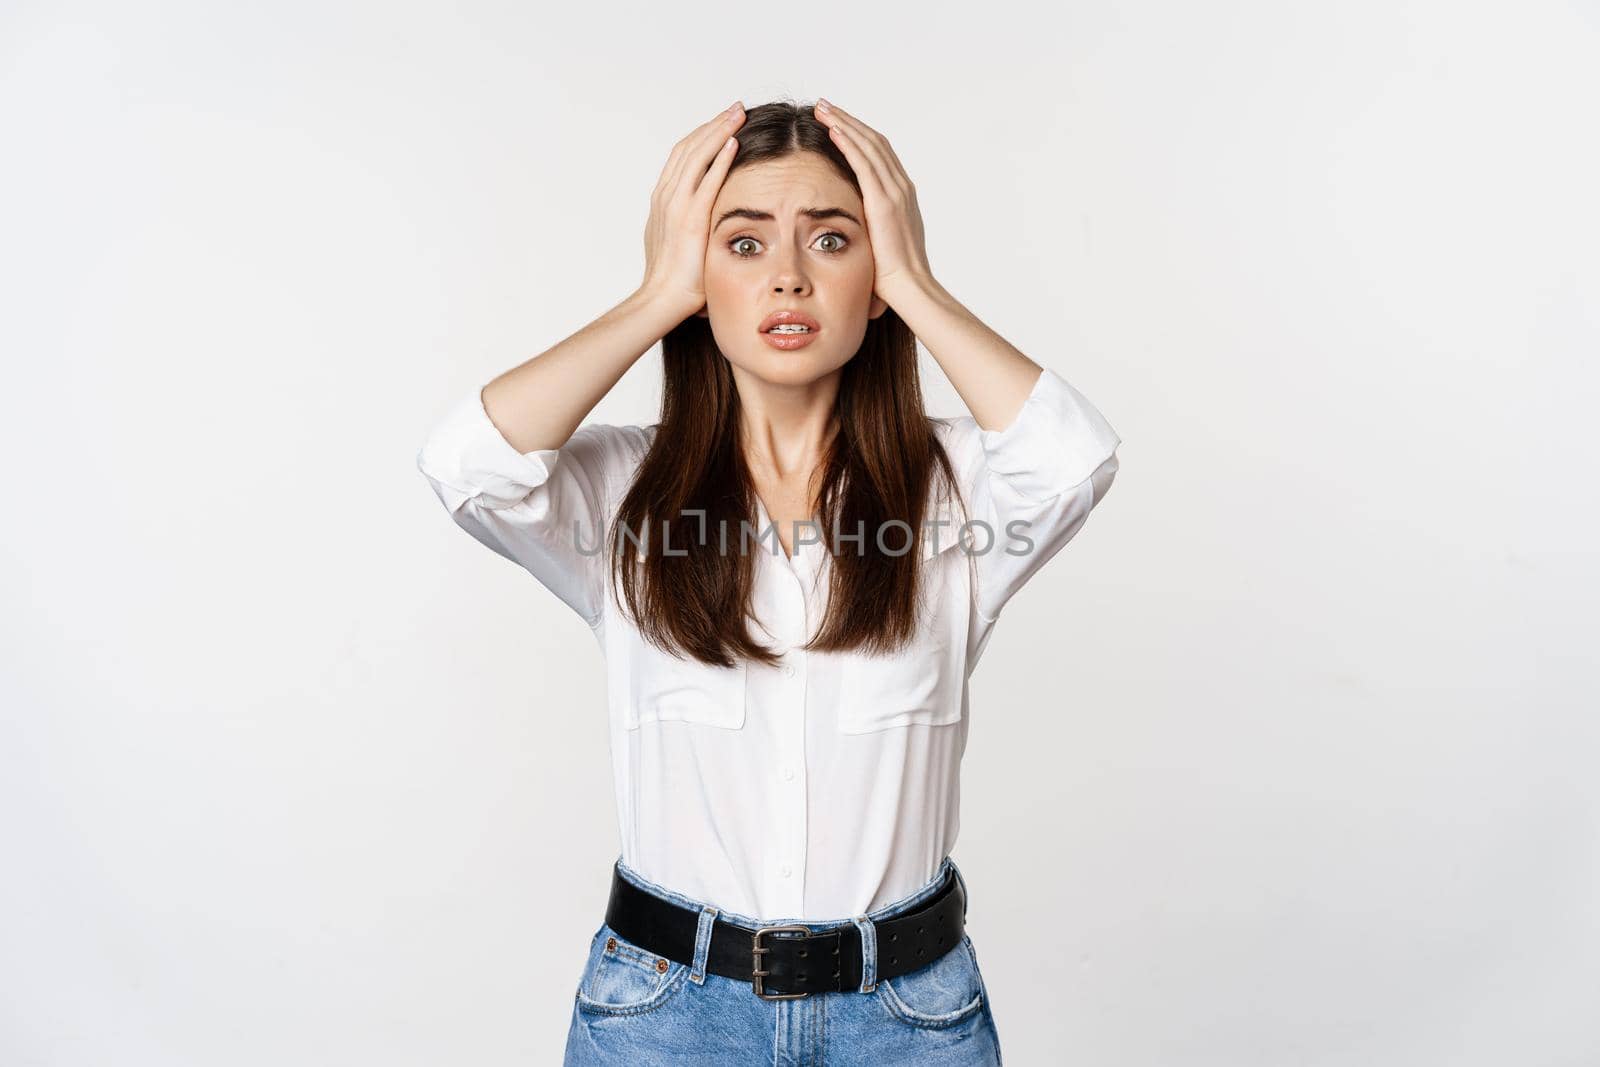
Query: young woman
(787, 614)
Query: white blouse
(829, 785)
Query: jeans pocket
(941, 994)
(622, 978)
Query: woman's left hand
(894, 221)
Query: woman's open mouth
(789, 338)
(789, 329)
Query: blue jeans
(631, 1008)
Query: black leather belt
(783, 962)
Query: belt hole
(802, 953)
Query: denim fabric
(629, 1008)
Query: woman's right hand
(679, 229)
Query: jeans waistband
(947, 869)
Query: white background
(1288, 759)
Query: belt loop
(869, 953)
(702, 944)
(963, 883)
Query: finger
(890, 168)
(897, 167)
(707, 190)
(670, 170)
(849, 135)
(674, 164)
(855, 151)
(699, 151)
(876, 146)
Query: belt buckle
(756, 949)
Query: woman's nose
(788, 276)
(790, 279)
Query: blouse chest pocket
(667, 689)
(918, 685)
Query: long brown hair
(879, 467)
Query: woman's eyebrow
(767, 216)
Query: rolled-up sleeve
(544, 510)
(1038, 479)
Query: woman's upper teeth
(789, 327)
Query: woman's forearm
(539, 403)
(992, 377)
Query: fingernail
(822, 104)
(736, 108)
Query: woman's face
(821, 266)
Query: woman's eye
(839, 243)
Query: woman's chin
(799, 367)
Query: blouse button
(788, 774)
(784, 870)
(788, 670)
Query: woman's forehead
(784, 185)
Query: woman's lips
(788, 341)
